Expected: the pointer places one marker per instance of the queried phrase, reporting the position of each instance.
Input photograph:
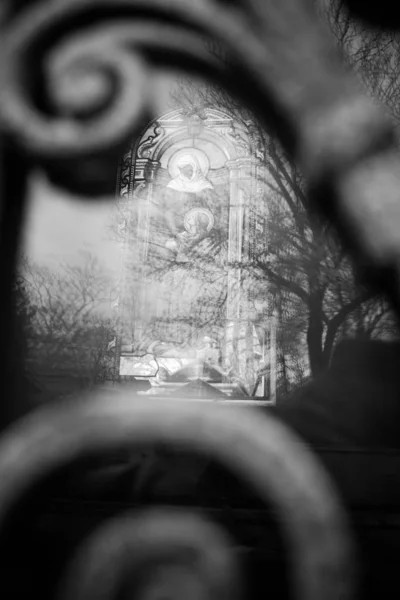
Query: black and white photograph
(200, 299)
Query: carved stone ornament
(145, 148)
(240, 139)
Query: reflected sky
(59, 225)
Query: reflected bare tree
(69, 329)
(310, 279)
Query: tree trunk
(315, 332)
(339, 319)
(284, 373)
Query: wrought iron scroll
(261, 451)
(74, 90)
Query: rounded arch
(208, 128)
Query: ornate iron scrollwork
(169, 554)
(279, 60)
(261, 451)
(74, 91)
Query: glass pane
(207, 277)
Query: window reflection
(206, 277)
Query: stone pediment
(196, 369)
(210, 130)
(198, 389)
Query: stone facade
(189, 219)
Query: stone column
(238, 346)
(145, 177)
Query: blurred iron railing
(74, 91)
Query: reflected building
(190, 222)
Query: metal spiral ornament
(260, 450)
(74, 81)
(87, 95)
(158, 554)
